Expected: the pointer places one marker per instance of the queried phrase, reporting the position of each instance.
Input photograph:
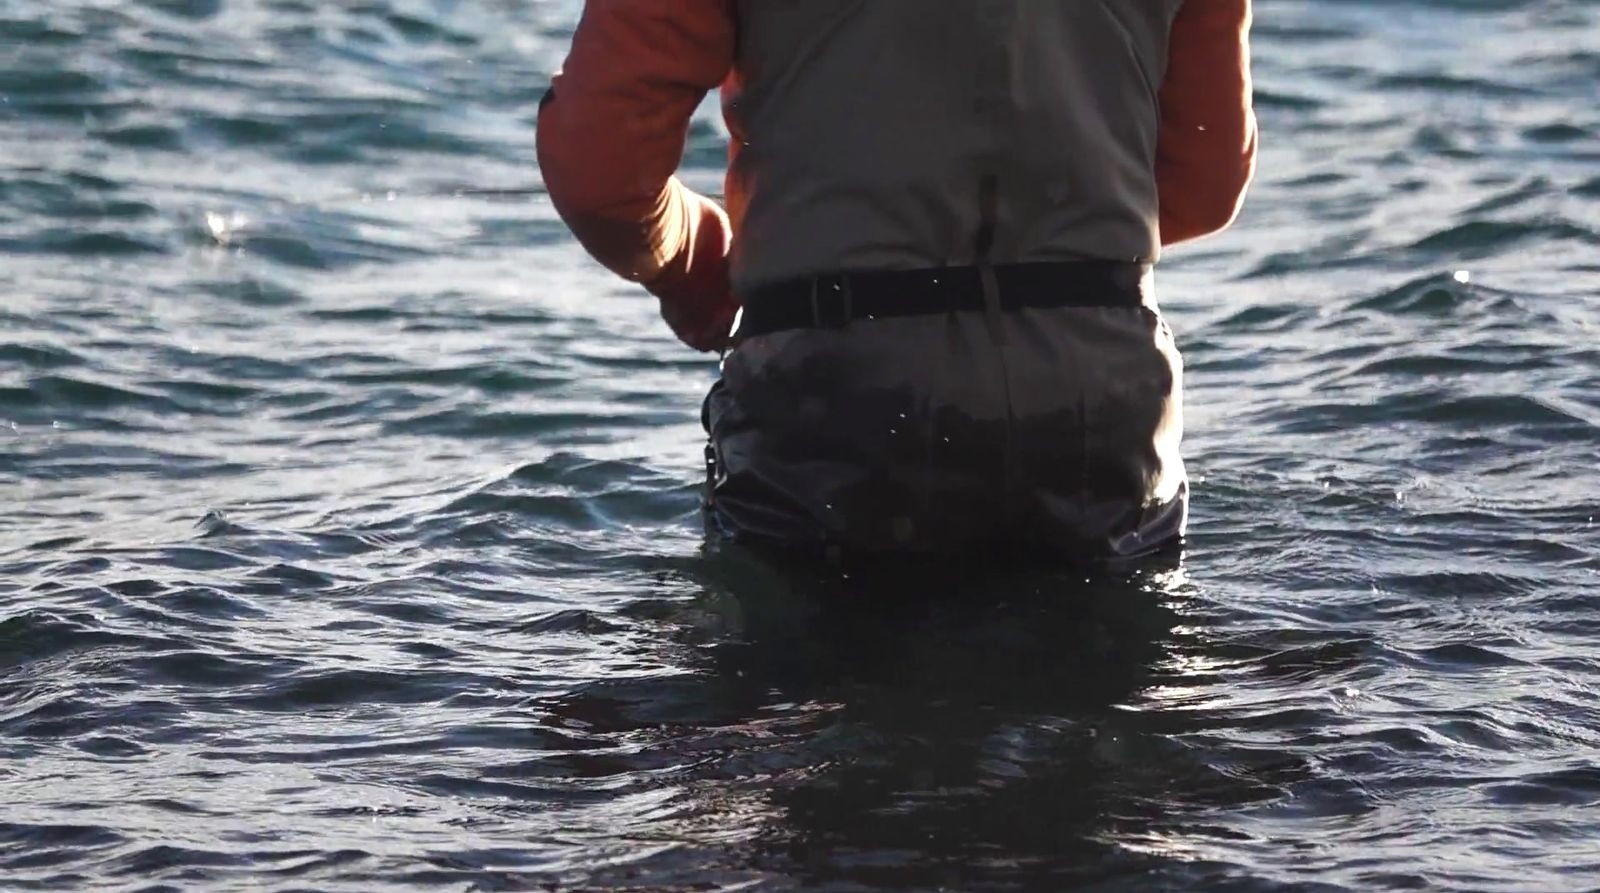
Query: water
(349, 538)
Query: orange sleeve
(611, 134)
(1206, 154)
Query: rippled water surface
(349, 536)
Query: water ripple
(351, 536)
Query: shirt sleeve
(1206, 153)
(611, 135)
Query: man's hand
(704, 327)
(696, 298)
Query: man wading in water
(942, 216)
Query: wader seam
(953, 350)
(1084, 428)
(988, 195)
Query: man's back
(867, 131)
(889, 113)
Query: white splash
(224, 227)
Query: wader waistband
(835, 300)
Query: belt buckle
(832, 301)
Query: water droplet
(1463, 276)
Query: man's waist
(831, 301)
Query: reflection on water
(926, 727)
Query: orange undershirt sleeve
(611, 135)
(1206, 154)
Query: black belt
(832, 301)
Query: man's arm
(611, 134)
(1206, 154)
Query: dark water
(349, 534)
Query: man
(942, 216)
